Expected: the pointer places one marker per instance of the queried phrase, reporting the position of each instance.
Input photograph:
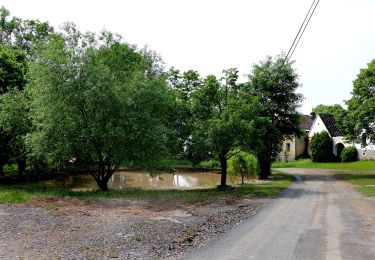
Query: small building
(296, 147)
(324, 122)
(327, 123)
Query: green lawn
(19, 193)
(363, 181)
(307, 163)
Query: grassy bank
(364, 181)
(307, 163)
(19, 193)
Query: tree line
(99, 103)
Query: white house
(327, 123)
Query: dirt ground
(65, 228)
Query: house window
(287, 147)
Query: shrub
(243, 164)
(211, 164)
(321, 147)
(349, 154)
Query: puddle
(138, 179)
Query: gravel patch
(124, 229)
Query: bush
(211, 164)
(243, 164)
(321, 147)
(349, 154)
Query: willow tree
(98, 102)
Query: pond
(139, 179)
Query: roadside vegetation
(308, 163)
(364, 181)
(93, 101)
(23, 192)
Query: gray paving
(318, 217)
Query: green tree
(13, 67)
(359, 121)
(21, 34)
(336, 110)
(321, 147)
(18, 39)
(182, 86)
(222, 119)
(94, 100)
(15, 125)
(275, 84)
(243, 164)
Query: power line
(299, 33)
(295, 46)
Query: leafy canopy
(275, 85)
(223, 117)
(359, 122)
(97, 101)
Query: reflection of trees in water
(123, 180)
(181, 181)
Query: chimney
(312, 115)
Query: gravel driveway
(318, 217)
(109, 228)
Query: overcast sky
(212, 35)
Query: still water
(138, 179)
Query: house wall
(317, 127)
(337, 140)
(366, 153)
(291, 155)
(300, 146)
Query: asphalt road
(318, 217)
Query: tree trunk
(265, 168)
(223, 164)
(104, 173)
(21, 166)
(102, 185)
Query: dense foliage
(321, 147)
(23, 35)
(275, 85)
(349, 154)
(15, 125)
(359, 122)
(224, 115)
(95, 101)
(73, 99)
(243, 164)
(335, 110)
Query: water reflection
(137, 179)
